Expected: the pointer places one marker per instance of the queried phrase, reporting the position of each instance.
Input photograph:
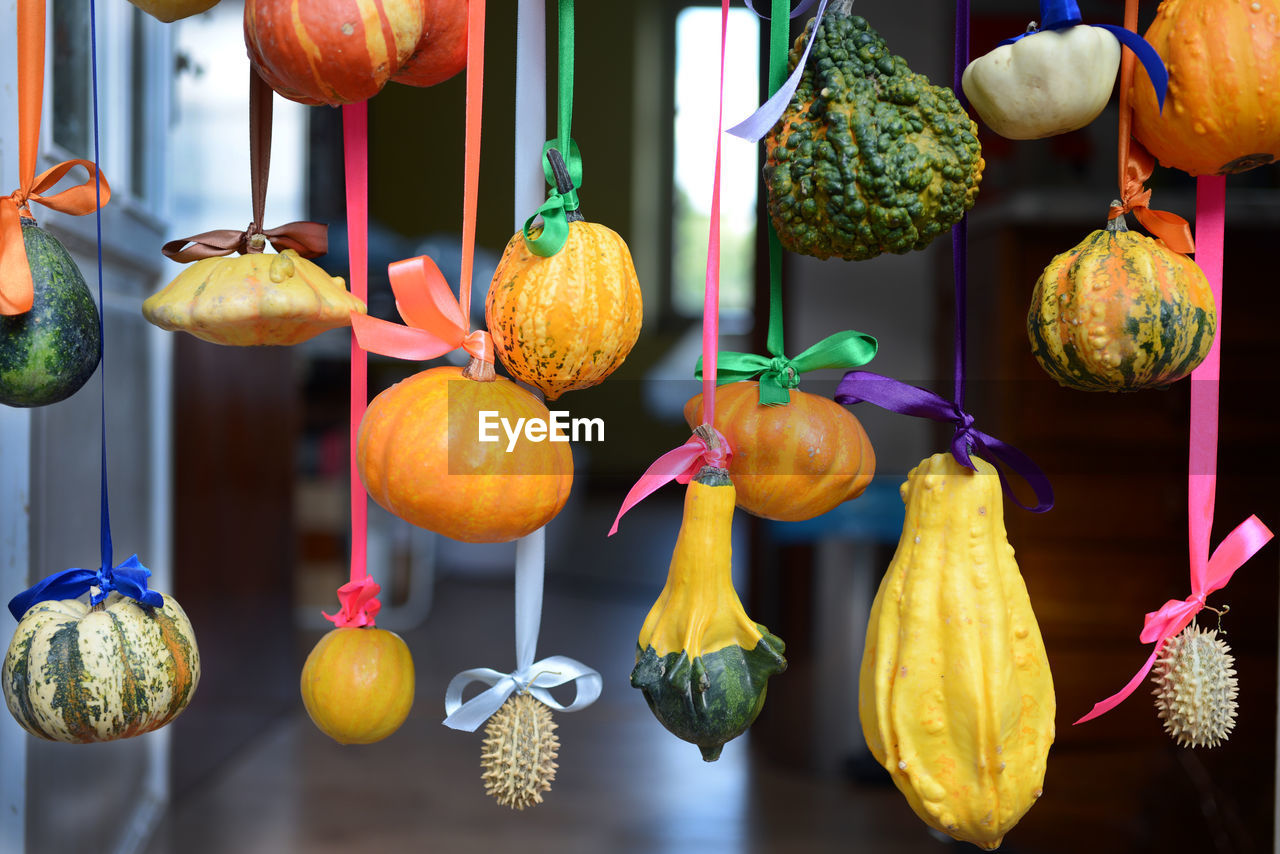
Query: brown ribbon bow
(1137, 164)
(16, 291)
(308, 239)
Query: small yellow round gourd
(357, 684)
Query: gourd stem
(564, 184)
(710, 475)
(840, 7)
(480, 371)
(1117, 223)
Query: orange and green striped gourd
(1121, 312)
(79, 673)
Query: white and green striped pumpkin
(80, 674)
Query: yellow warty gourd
(955, 695)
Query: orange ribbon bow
(16, 291)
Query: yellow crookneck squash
(701, 662)
(955, 695)
(253, 299)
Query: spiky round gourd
(701, 662)
(358, 683)
(1222, 111)
(1120, 311)
(253, 299)
(869, 156)
(519, 754)
(790, 462)
(955, 696)
(1196, 688)
(82, 673)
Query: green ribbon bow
(778, 374)
(561, 200)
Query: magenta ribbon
(1208, 573)
(360, 604)
(679, 464)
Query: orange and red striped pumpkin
(342, 51)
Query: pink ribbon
(679, 464)
(359, 604)
(1208, 573)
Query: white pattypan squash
(1045, 83)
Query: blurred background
(228, 470)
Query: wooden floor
(624, 784)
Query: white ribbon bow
(529, 677)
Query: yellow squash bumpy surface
(253, 299)
(955, 695)
(567, 321)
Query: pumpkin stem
(254, 240)
(564, 184)
(1116, 223)
(710, 475)
(480, 371)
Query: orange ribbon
(1137, 164)
(435, 320)
(15, 273)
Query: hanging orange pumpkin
(423, 455)
(341, 51)
(358, 683)
(789, 462)
(1222, 112)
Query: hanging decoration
(977, 653)
(97, 655)
(1056, 77)
(867, 156)
(701, 662)
(357, 683)
(565, 306)
(255, 298)
(1224, 87)
(796, 455)
(520, 746)
(1120, 311)
(342, 52)
(50, 337)
(422, 452)
(1209, 572)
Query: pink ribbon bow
(359, 604)
(679, 464)
(436, 321)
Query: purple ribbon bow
(897, 396)
(129, 579)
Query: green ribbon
(778, 374)
(560, 200)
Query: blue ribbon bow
(128, 579)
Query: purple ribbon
(1061, 14)
(128, 579)
(897, 396)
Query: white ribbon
(529, 676)
(755, 126)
